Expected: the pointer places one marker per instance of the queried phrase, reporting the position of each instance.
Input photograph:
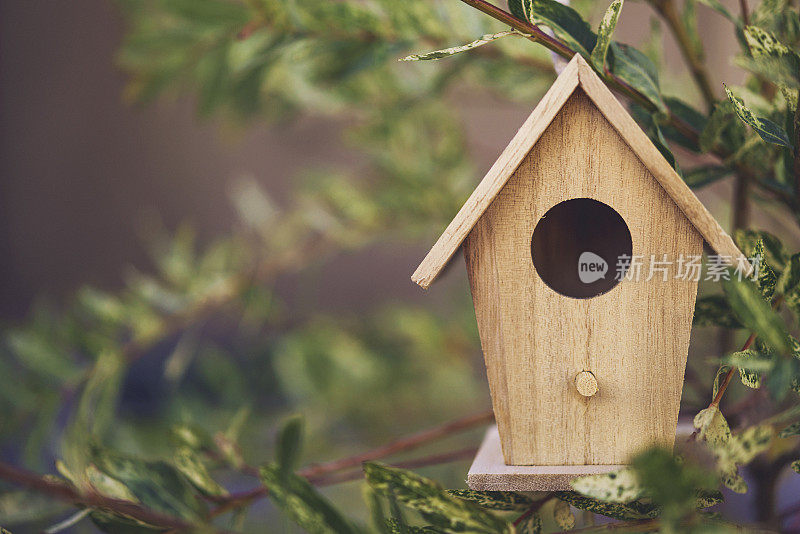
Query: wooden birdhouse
(585, 363)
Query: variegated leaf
(708, 498)
(432, 501)
(566, 23)
(636, 69)
(721, 372)
(765, 128)
(447, 52)
(494, 500)
(712, 427)
(604, 33)
(781, 61)
(796, 466)
(193, 468)
(620, 486)
(756, 314)
(621, 511)
(791, 430)
(302, 503)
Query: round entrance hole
(576, 247)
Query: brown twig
(729, 375)
(59, 490)
(535, 34)
(693, 57)
(434, 459)
(745, 12)
(796, 163)
(317, 473)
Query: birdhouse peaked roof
(577, 74)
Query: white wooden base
(489, 471)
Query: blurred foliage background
(301, 302)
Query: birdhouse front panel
(583, 368)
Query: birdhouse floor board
(490, 473)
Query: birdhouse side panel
(633, 339)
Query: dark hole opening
(576, 247)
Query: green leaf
(721, 372)
(562, 513)
(636, 69)
(750, 360)
(765, 128)
(604, 33)
(776, 58)
(289, 444)
(158, 485)
(302, 503)
(619, 486)
(705, 175)
(714, 310)
(623, 512)
(116, 524)
(721, 122)
(189, 463)
(447, 52)
(566, 23)
(431, 501)
(671, 483)
(783, 377)
(754, 312)
(494, 500)
(791, 430)
(378, 520)
(796, 466)
(108, 486)
(95, 410)
(687, 114)
(750, 365)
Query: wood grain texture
(634, 339)
(490, 473)
(577, 74)
(717, 238)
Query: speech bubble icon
(591, 267)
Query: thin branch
(535, 34)
(64, 492)
(729, 375)
(316, 473)
(693, 57)
(745, 12)
(402, 445)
